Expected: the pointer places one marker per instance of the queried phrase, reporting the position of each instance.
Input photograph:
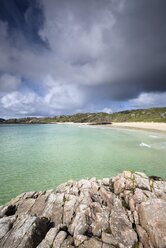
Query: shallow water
(39, 157)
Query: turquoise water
(39, 157)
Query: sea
(40, 157)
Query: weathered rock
(107, 196)
(121, 227)
(100, 217)
(5, 225)
(69, 207)
(143, 236)
(142, 182)
(107, 246)
(126, 211)
(109, 239)
(68, 242)
(27, 231)
(152, 214)
(47, 242)
(119, 185)
(91, 243)
(106, 181)
(59, 239)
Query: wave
(145, 145)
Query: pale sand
(152, 126)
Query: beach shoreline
(149, 126)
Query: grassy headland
(139, 115)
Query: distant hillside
(2, 120)
(146, 115)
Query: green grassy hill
(145, 115)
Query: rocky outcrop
(126, 211)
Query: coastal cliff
(126, 211)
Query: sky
(69, 56)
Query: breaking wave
(145, 145)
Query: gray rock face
(126, 211)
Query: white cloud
(149, 100)
(107, 110)
(58, 98)
(18, 103)
(63, 96)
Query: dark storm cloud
(132, 49)
(24, 16)
(81, 53)
(142, 58)
(155, 81)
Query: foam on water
(145, 145)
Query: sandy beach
(152, 126)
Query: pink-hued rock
(126, 211)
